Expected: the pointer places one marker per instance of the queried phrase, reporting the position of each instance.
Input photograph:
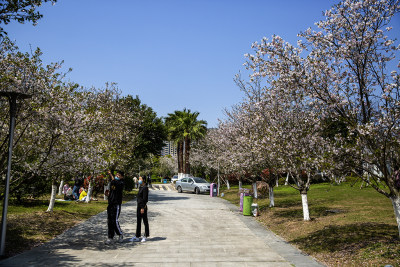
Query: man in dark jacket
(114, 206)
(78, 184)
(141, 212)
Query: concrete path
(186, 230)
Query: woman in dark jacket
(141, 212)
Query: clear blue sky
(172, 53)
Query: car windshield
(200, 180)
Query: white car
(193, 184)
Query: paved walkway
(186, 230)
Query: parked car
(192, 184)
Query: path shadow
(56, 259)
(156, 238)
(156, 198)
(91, 234)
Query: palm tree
(175, 129)
(184, 127)
(193, 130)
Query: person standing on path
(141, 212)
(114, 206)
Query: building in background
(169, 149)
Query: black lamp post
(12, 98)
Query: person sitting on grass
(65, 189)
(83, 195)
(68, 195)
(78, 184)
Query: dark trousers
(113, 211)
(139, 223)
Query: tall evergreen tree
(184, 127)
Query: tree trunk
(187, 155)
(396, 207)
(90, 190)
(240, 183)
(306, 213)
(180, 157)
(255, 189)
(60, 188)
(277, 182)
(106, 187)
(287, 179)
(53, 197)
(218, 185)
(271, 197)
(227, 184)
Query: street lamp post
(12, 98)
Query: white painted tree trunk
(271, 197)
(60, 188)
(227, 185)
(306, 213)
(396, 207)
(106, 187)
(90, 191)
(277, 182)
(255, 189)
(52, 198)
(180, 175)
(287, 179)
(240, 184)
(218, 185)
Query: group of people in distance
(77, 193)
(114, 208)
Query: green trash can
(247, 201)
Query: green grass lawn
(349, 226)
(29, 225)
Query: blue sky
(173, 54)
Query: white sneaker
(109, 241)
(121, 239)
(143, 239)
(134, 239)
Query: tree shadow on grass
(27, 203)
(16, 240)
(315, 211)
(350, 238)
(288, 203)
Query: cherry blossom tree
(21, 72)
(64, 129)
(351, 72)
(342, 70)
